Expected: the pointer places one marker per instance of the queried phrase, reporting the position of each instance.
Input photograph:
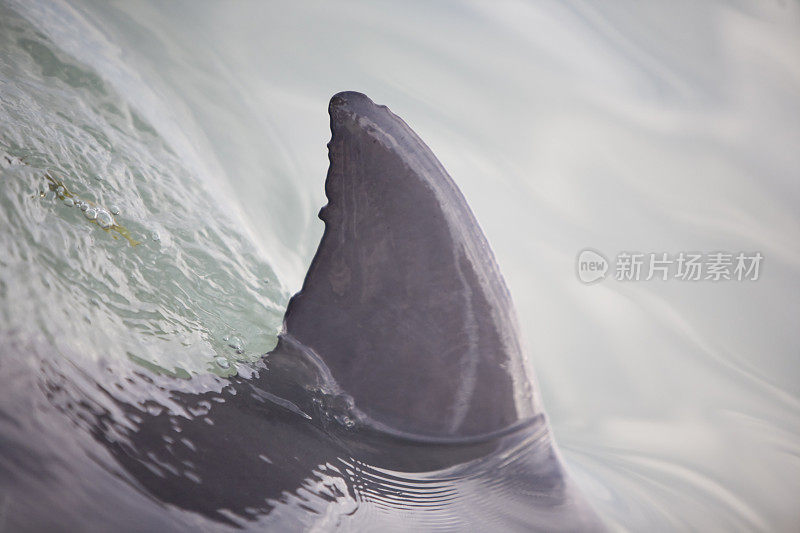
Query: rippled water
(566, 125)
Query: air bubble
(90, 213)
(236, 344)
(222, 362)
(115, 210)
(155, 236)
(84, 206)
(104, 219)
(69, 202)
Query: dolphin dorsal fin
(404, 302)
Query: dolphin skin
(398, 396)
(404, 293)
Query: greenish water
(189, 283)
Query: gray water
(617, 126)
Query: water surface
(566, 125)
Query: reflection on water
(567, 125)
(222, 450)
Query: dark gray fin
(404, 302)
